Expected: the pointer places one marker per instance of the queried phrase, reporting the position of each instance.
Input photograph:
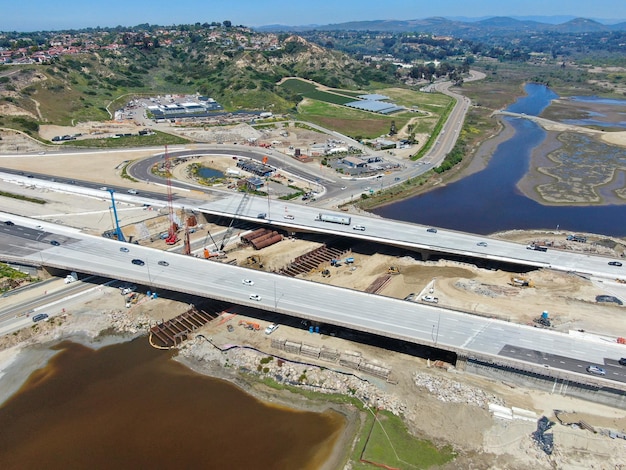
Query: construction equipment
(245, 200)
(325, 273)
(132, 299)
(118, 231)
(248, 325)
(172, 238)
(543, 320)
(520, 281)
(213, 254)
(253, 261)
(393, 270)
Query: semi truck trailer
(336, 219)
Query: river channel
(489, 201)
(131, 406)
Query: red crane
(172, 238)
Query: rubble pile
(449, 391)
(305, 376)
(477, 288)
(121, 322)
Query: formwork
(166, 335)
(329, 354)
(350, 359)
(310, 351)
(375, 370)
(312, 260)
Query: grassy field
(386, 442)
(158, 139)
(348, 121)
(325, 109)
(309, 90)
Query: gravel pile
(122, 322)
(477, 288)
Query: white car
(359, 227)
(127, 290)
(591, 369)
(430, 298)
(247, 282)
(271, 328)
(256, 297)
(289, 217)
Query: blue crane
(118, 230)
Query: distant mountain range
(466, 27)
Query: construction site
(543, 298)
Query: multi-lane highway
(466, 334)
(384, 231)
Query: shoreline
(343, 441)
(20, 361)
(529, 182)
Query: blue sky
(34, 15)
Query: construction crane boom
(118, 230)
(172, 238)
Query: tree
(227, 23)
(392, 130)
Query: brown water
(130, 406)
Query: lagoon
(489, 201)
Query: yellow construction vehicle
(521, 281)
(393, 270)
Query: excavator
(249, 325)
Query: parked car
(54, 243)
(271, 328)
(104, 188)
(430, 298)
(40, 317)
(431, 230)
(256, 297)
(262, 215)
(596, 370)
(9, 223)
(247, 282)
(138, 262)
(127, 289)
(163, 263)
(622, 361)
(124, 249)
(359, 227)
(614, 263)
(481, 244)
(289, 217)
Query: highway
(378, 230)
(416, 323)
(405, 235)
